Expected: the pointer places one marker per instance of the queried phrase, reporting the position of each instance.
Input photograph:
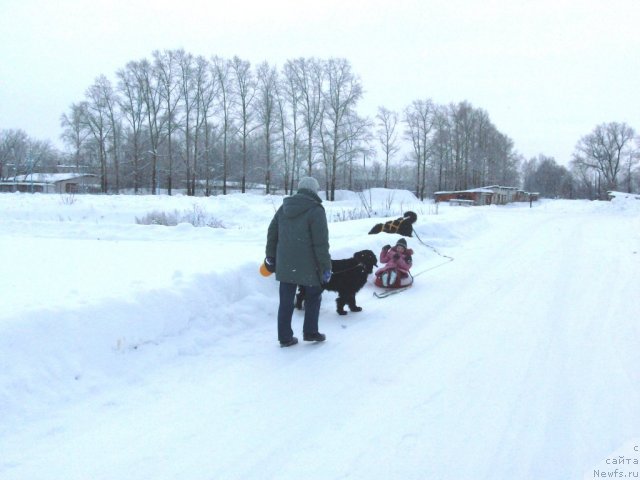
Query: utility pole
(30, 170)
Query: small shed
(475, 196)
(51, 183)
(503, 195)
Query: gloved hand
(386, 247)
(326, 276)
(270, 263)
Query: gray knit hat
(402, 243)
(309, 183)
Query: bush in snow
(351, 214)
(196, 217)
(159, 218)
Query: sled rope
(435, 250)
(359, 265)
(410, 283)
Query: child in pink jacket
(397, 262)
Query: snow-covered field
(133, 351)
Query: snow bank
(168, 333)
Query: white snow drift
(134, 351)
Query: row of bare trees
(179, 121)
(20, 154)
(605, 159)
(186, 121)
(456, 147)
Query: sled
(402, 283)
(403, 280)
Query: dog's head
(410, 216)
(367, 258)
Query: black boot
(289, 343)
(314, 337)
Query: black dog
(348, 277)
(402, 225)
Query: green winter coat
(298, 238)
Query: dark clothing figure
(313, 298)
(298, 249)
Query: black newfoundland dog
(348, 277)
(402, 225)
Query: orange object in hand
(263, 270)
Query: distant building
(474, 196)
(52, 183)
(503, 195)
(492, 195)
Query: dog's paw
(355, 309)
(342, 312)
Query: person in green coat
(298, 251)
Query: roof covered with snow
(472, 190)
(50, 177)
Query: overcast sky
(546, 71)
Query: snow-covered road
(517, 360)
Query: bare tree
(504, 166)
(420, 119)
(41, 156)
(464, 124)
(193, 81)
(221, 70)
(204, 94)
(442, 151)
(267, 111)
(166, 66)
(604, 149)
(586, 180)
(197, 94)
(74, 132)
(633, 159)
(98, 123)
(132, 108)
(344, 90)
(111, 101)
(388, 137)
(544, 176)
(148, 77)
(286, 132)
(14, 147)
(356, 145)
(246, 90)
(308, 75)
(207, 93)
(189, 101)
(290, 94)
(478, 152)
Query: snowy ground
(148, 352)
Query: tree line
(605, 159)
(202, 125)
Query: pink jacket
(402, 263)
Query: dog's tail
(376, 229)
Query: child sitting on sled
(397, 262)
